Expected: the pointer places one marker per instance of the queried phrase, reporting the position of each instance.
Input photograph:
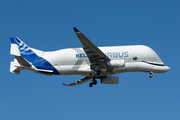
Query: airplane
(90, 61)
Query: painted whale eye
(135, 58)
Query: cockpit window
(134, 58)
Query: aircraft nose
(167, 68)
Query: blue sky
(47, 25)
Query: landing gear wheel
(150, 76)
(90, 84)
(95, 82)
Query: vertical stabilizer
(19, 48)
(28, 58)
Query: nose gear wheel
(151, 74)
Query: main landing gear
(97, 72)
(151, 74)
(94, 82)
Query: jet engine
(110, 80)
(116, 63)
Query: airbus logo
(108, 54)
(117, 54)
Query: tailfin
(19, 50)
(28, 58)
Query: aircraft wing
(95, 55)
(83, 80)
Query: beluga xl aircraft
(90, 61)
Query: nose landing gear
(151, 74)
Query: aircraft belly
(145, 67)
(132, 66)
(71, 70)
(142, 67)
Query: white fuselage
(137, 58)
(91, 61)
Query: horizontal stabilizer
(22, 61)
(15, 67)
(19, 64)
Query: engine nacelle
(110, 80)
(116, 63)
